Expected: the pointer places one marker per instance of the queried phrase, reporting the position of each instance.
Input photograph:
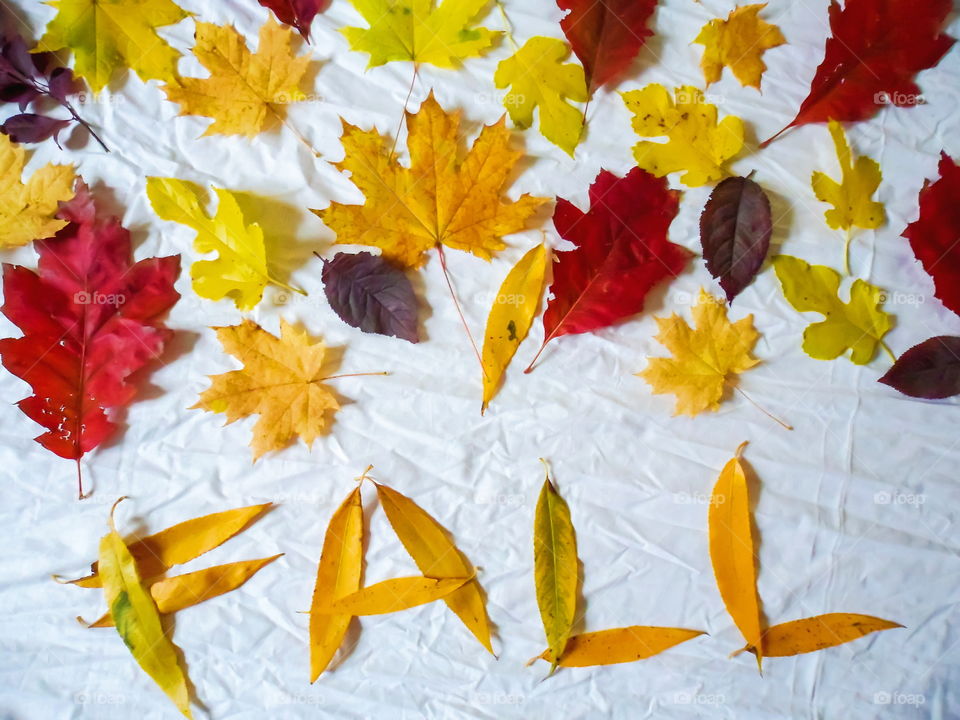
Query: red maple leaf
(298, 13)
(876, 49)
(935, 237)
(621, 252)
(606, 35)
(89, 318)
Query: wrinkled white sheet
(856, 508)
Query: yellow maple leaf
(697, 143)
(442, 198)
(703, 357)
(738, 43)
(419, 30)
(246, 92)
(850, 197)
(106, 35)
(28, 209)
(280, 382)
(539, 79)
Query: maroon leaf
(31, 128)
(930, 370)
(298, 13)
(735, 229)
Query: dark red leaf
(735, 229)
(929, 370)
(31, 128)
(935, 237)
(876, 49)
(298, 13)
(369, 293)
(89, 318)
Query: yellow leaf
(858, 325)
(732, 551)
(816, 633)
(555, 568)
(511, 316)
(106, 35)
(338, 574)
(280, 382)
(240, 271)
(28, 209)
(850, 197)
(435, 32)
(394, 595)
(619, 645)
(246, 92)
(137, 619)
(431, 548)
(738, 43)
(442, 198)
(697, 144)
(703, 358)
(538, 78)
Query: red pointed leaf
(876, 49)
(297, 13)
(89, 318)
(929, 370)
(606, 35)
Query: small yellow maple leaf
(280, 382)
(442, 198)
(738, 43)
(697, 144)
(106, 35)
(419, 30)
(246, 92)
(850, 197)
(28, 209)
(703, 357)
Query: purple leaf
(369, 293)
(18, 93)
(735, 229)
(18, 57)
(930, 370)
(61, 84)
(31, 128)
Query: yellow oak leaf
(697, 144)
(28, 209)
(738, 43)
(436, 32)
(106, 35)
(280, 382)
(246, 92)
(850, 197)
(443, 197)
(704, 357)
(539, 79)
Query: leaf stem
(406, 102)
(85, 124)
(508, 26)
(888, 351)
(80, 495)
(761, 409)
(846, 251)
(456, 302)
(345, 375)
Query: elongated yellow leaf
(555, 568)
(338, 574)
(510, 317)
(137, 619)
(732, 551)
(619, 645)
(395, 594)
(183, 591)
(821, 631)
(431, 548)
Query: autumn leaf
(935, 235)
(704, 356)
(621, 252)
(858, 325)
(296, 13)
(820, 632)
(738, 43)
(28, 210)
(930, 370)
(697, 144)
(442, 198)
(872, 57)
(435, 32)
(281, 381)
(394, 595)
(606, 36)
(538, 78)
(106, 35)
(619, 645)
(246, 92)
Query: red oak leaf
(89, 318)
(876, 49)
(621, 252)
(606, 36)
(935, 237)
(297, 13)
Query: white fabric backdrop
(856, 508)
